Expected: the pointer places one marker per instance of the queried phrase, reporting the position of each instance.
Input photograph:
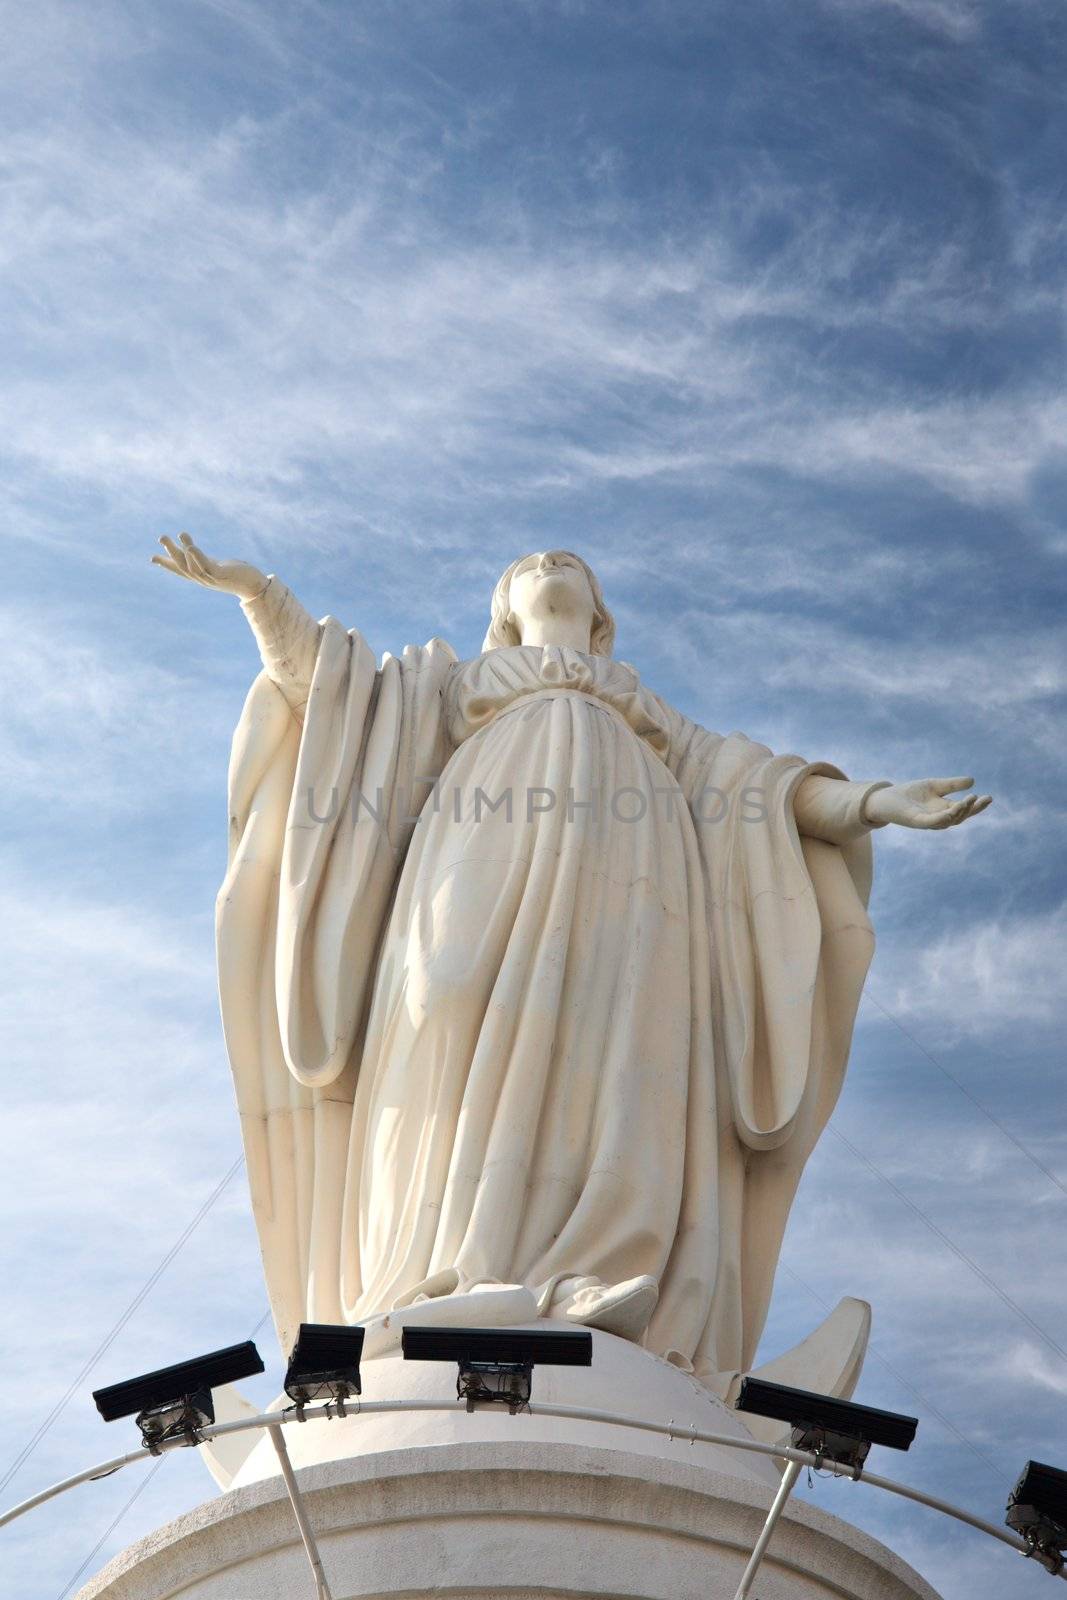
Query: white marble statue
(537, 994)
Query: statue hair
(503, 629)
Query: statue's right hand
(189, 561)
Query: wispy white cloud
(989, 974)
(1027, 1363)
(957, 20)
(84, 721)
(266, 344)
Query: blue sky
(757, 306)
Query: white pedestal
(510, 1508)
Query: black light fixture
(496, 1364)
(175, 1402)
(324, 1364)
(1037, 1510)
(834, 1430)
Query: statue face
(551, 584)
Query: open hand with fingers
(189, 561)
(924, 803)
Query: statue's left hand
(923, 803)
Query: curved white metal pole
(266, 1419)
(787, 1453)
(269, 1419)
(103, 1469)
(948, 1510)
(576, 1413)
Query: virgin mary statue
(537, 994)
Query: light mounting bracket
(1045, 1539)
(508, 1383)
(841, 1449)
(180, 1419)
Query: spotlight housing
(496, 1364)
(175, 1402)
(324, 1364)
(834, 1430)
(1037, 1510)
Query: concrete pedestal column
(510, 1522)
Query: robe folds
(525, 977)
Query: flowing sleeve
(288, 639)
(321, 809)
(832, 809)
(790, 946)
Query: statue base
(503, 1507)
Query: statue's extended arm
(287, 635)
(834, 810)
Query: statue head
(549, 582)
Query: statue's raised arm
(287, 635)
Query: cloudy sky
(757, 305)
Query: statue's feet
(621, 1308)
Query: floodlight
(324, 1364)
(835, 1430)
(1037, 1509)
(175, 1402)
(496, 1364)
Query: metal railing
(274, 1421)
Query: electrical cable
(956, 1249)
(140, 1489)
(962, 1087)
(105, 1345)
(109, 1530)
(872, 1350)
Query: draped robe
(590, 1034)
